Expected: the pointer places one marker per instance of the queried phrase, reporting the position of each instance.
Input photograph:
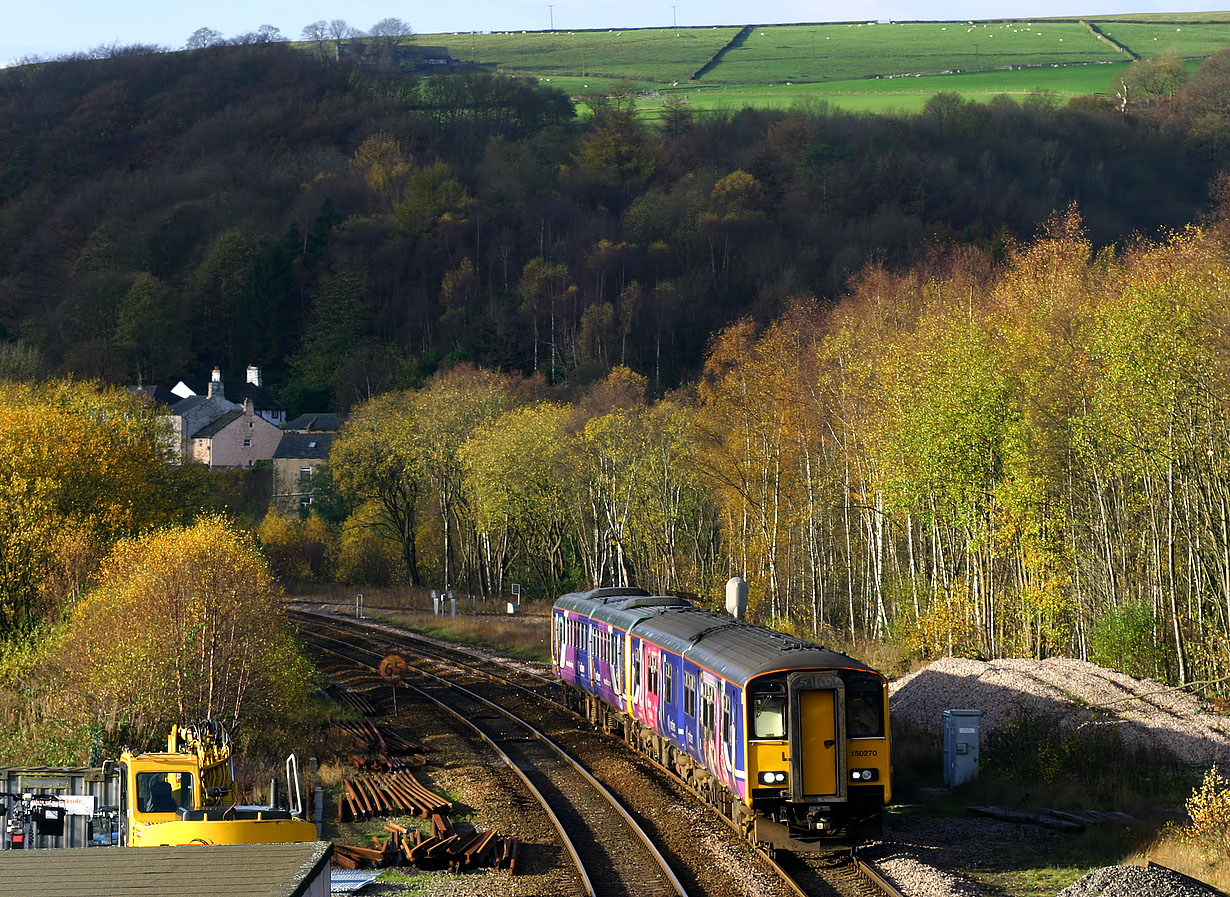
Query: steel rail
(646, 841)
(869, 872)
(507, 760)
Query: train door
(560, 624)
(635, 685)
(817, 737)
(617, 662)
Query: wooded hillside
(347, 229)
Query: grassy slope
(857, 67)
(651, 54)
(1155, 38)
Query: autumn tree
(50, 498)
(514, 479)
(377, 458)
(185, 623)
(448, 411)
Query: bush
(1209, 811)
(299, 549)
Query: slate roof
(213, 429)
(317, 422)
(221, 870)
(183, 406)
(262, 399)
(160, 395)
(304, 446)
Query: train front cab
(817, 758)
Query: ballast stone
(1135, 881)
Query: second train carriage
(787, 737)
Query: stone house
(189, 415)
(238, 438)
(296, 467)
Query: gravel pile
(1069, 692)
(1135, 881)
(917, 879)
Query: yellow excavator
(186, 795)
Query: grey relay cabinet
(961, 745)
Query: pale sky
(52, 27)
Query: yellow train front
(786, 737)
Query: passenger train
(787, 738)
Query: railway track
(611, 853)
(521, 692)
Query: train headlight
(772, 778)
(864, 775)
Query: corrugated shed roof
(220, 870)
(304, 446)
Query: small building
(220, 870)
(238, 438)
(296, 468)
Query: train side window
(728, 718)
(689, 695)
(668, 690)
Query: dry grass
(1183, 855)
(526, 635)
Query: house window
(305, 501)
(305, 475)
(247, 443)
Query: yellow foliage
(945, 629)
(186, 622)
(1209, 811)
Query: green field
(650, 54)
(842, 52)
(1151, 39)
(860, 67)
(907, 94)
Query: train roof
(736, 650)
(739, 651)
(623, 607)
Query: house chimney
(215, 384)
(248, 407)
(254, 375)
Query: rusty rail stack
(443, 849)
(376, 737)
(385, 794)
(353, 699)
